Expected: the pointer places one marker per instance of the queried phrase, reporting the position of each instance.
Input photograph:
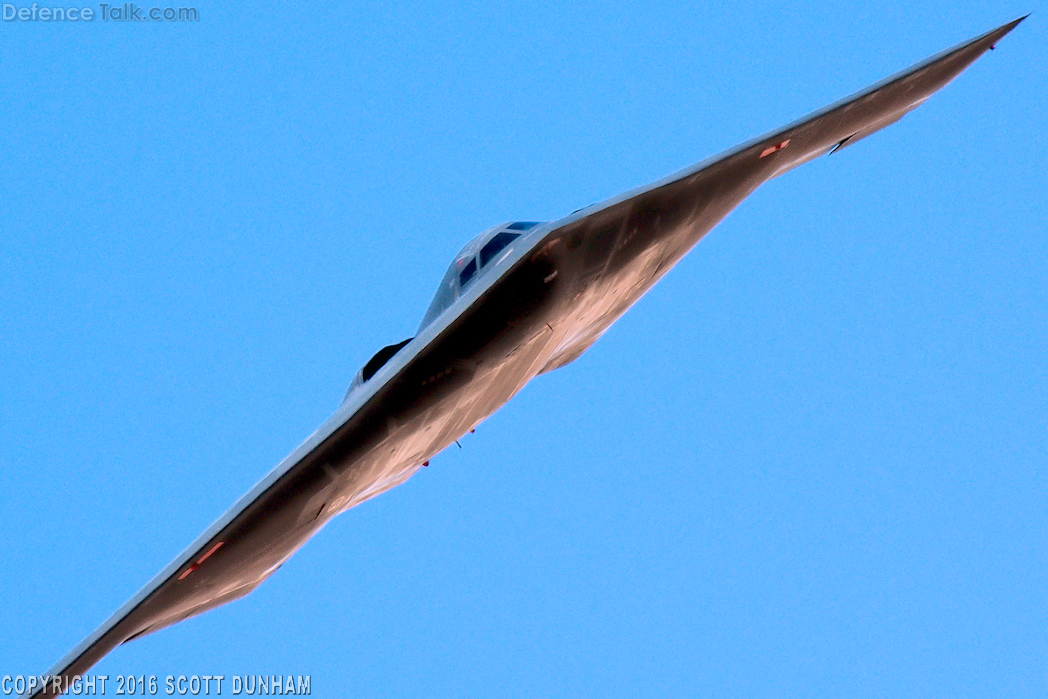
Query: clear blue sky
(812, 462)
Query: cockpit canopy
(479, 255)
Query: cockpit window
(496, 245)
(467, 272)
(465, 267)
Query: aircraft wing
(738, 171)
(169, 597)
(627, 243)
(225, 563)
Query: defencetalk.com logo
(127, 12)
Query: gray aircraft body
(519, 300)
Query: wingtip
(1002, 30)
(989, 39)
(1016, 22)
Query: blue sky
(811, 462)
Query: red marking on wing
(208, 554)
(775, 149)
(190, 569)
